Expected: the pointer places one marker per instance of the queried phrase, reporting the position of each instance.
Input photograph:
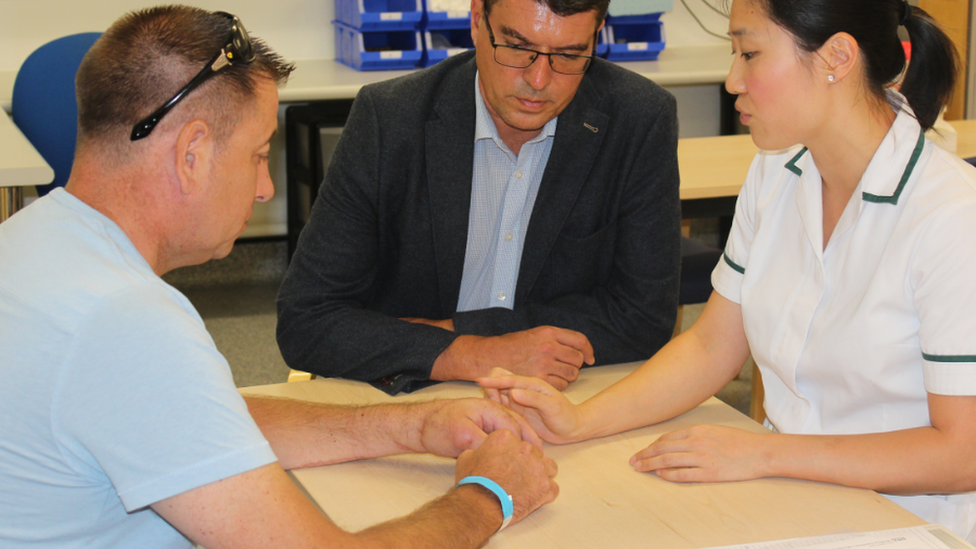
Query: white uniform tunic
(849, 339)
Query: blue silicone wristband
(506, 500)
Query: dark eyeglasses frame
(589, 58)
(237, 50)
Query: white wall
(301, 29)
(297, 29)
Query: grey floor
(235, 296)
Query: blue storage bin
(377, 50)
(446, 19)
(635, 19)
(443, 43)
(633, 42)
(380, 15)
(602, 43)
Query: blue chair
(44, 105)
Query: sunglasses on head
(237, 50)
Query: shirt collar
(484, 126)
(893, 162)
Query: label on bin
(455, 51)
(637, 46)
(391, 55)
(391, 16)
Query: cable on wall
(702, 25)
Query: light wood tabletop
(603, 502)
(714, 167)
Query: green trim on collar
(949, 358)
(893, 199)
(791, 165)
(735, 267)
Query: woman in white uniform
(850, 276)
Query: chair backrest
(44, 105)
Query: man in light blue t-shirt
(122, 425)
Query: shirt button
(501, 296)
(519, 174)
(509, 237)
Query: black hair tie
(907, 13)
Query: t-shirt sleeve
(727, 275)
(942, 272)
(146, 397)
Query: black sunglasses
(237, 50)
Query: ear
(194, 153)
(477, 12)
(840, 54)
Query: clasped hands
(490, 441)
(547, 352)
(701, 453)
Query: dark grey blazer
(388, 232)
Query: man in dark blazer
(376, 288)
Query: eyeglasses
(237, 50)
(518, 57)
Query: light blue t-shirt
(112, 393)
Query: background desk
(20, 165)
(603, 502)
(712, 170)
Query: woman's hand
(549, 412)
(705, 453)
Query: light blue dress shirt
(503, 191)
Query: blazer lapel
(449, 149)
(579, 135)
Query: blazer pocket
(581, 264)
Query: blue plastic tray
(635, 42)
(380, 15)
(602, 46)
(435, 52)
(634, 19)
(446, 19)
(394, 49)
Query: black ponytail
(930, 78)
(932, 72)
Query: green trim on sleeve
(893, 199)
(791, 165)
(735, 267)
(949, 358)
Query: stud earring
(830, 78)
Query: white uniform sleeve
(147, 398)
(727, 276)
(943, 279)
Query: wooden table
(712, 171)
(714, 168)
(603, 502)
(965, 137)
(20, 165)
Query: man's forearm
(304, 434)
(463, 518)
